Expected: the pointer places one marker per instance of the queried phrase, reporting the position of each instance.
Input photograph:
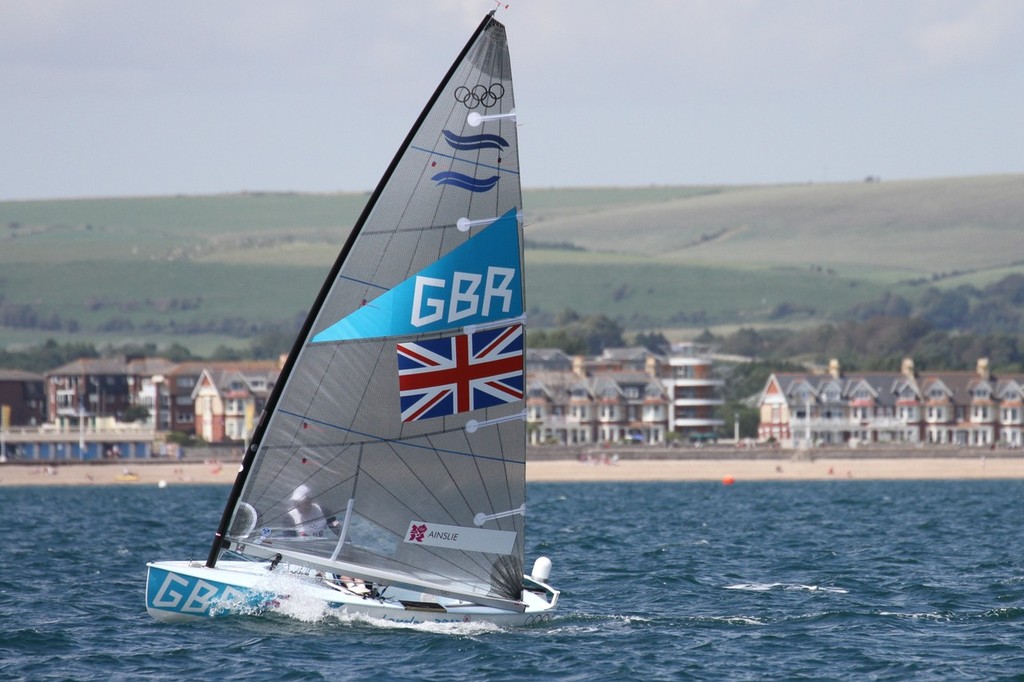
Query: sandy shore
(739, 470)
(725, 470)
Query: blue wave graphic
(466, 181)
(474, 142)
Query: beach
(728, 471)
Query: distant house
(228, 397)
(547, 360)
(958, 408)
(22, 398)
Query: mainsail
(393, 446)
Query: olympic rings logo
(479, 95)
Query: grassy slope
(655, 256)
(892, 228)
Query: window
(684, 372)
(907, 413)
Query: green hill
(207, 270)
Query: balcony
(691, 382)
(691, 422)
(697, 402)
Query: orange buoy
(728, 480)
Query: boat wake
(785, 587)
(469, 629)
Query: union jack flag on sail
(442, 377)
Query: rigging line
(455, 483)
(380, 439)
(479, 164)
(479, 561)
(412, 228)
(363, 282)
(294, 445)
(435, 553)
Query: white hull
(188, 590)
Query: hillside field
(210, 270)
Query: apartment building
(624, 395)
(89, 390)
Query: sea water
(660, 581)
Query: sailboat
(386, 475)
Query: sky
(148, 97)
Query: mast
(302, 337)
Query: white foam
(790, 587)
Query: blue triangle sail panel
(476, 283)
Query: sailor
(309, 518)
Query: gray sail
(393, 447)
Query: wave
(788, 587)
